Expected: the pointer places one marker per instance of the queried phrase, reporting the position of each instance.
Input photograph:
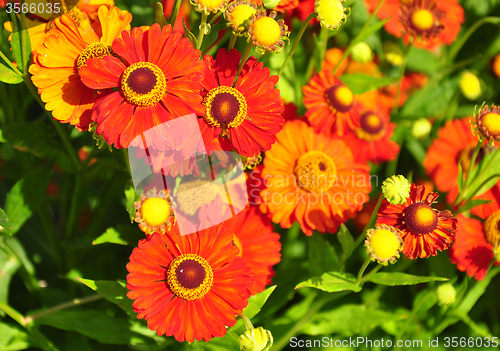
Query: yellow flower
(384, 244)
(470, 85)
(331, 13)
(266, 33)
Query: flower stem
(372, 272)
(358, 36)
(177, 6)
(362, 269)
(297, 40)
(203, 26)
(7, 61)
(402, 70)
(232, 41)
(244, 59)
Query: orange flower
(56, 64)
(284, 5)
(470, 251)
(258, 244)
(371, 141)
(331, 106)
(191, 286)
(425, 230)
(248, 113)
(312, 179)
(159, 81)
(431, 22)
(455, 144)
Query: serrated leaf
(9, 76)
(348, 320)
(26, 195)
(123, 234)
(346, 241)
(12, 338)
(113, 291)
(256, 302)
(322, 256)
(372, 29)
(361, 83)
(331, 282)
(393, 279)
(4, 222)
(96, 325)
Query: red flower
(425, 230)
(159, 81)
(191, 286)
(250, 112)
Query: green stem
(23, 33)
(75, 203)
(297, 40)
(177, 6)
(12, 313)
(473, 162)
(203, 25)
(244, 59)
(402, 70)
(356, 39)
(232, 41)
(7, 61)
(460, 42)
(214, 18)
(362, 269)
(63, 306)
(372, 272)
(246, 320)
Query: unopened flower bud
(396, 189)
(393, 54)
(446, 294)
(271, 4)
(361, 52)
(421, 128)
(470, 86)
(256, 339)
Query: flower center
(211, 5)
(240, 14)
(422, 20)
(372, 127)
(384, 243)
(189, 276)
(315, 172)
(192, 195)
(330, 12)
(491, 228)
(226, 106)
(340, 98)
(420, 218)
(491, 123)
(266, 31)
(143, 84)
(155, 211)
(94, 50)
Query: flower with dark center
(488, 123)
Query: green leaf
(331, 282)
(322, 256)
(348, 320)
(9, 265)
(123, 234)
(113, 291)
(12, 338)
(4, 222)
(210, 38)
(346, 241)
(256, 302)
(460, 177)
(26, 195)
(96, 325)
(416, 149)
(160, 15)
(361, 83)
(476, 292)
(421, 60)
(131, 197)
(189, 35)
(372, 29)
(484, 176)
(393, 279)
(9, 76)
(473, 203)
(21, 47)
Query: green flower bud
(361, 52)
(396, 189)
(421, 128)
(446, 294)
(271, 4)
(256, 339)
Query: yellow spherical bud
(396, 189)
(384, 244)
(361, 52)
(470, 85)
(393, 54)
(421, 128)
(256, 339)
(331, 13)
(446, 294)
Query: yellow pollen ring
(183, 292)
(315, 172)
(94, 50)
(421, 218)
(240, 14)
(266, 31)
(491, 228)
(155, 211)
(216, 112)
(422, 19)
(491, 123)
(152, 96)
